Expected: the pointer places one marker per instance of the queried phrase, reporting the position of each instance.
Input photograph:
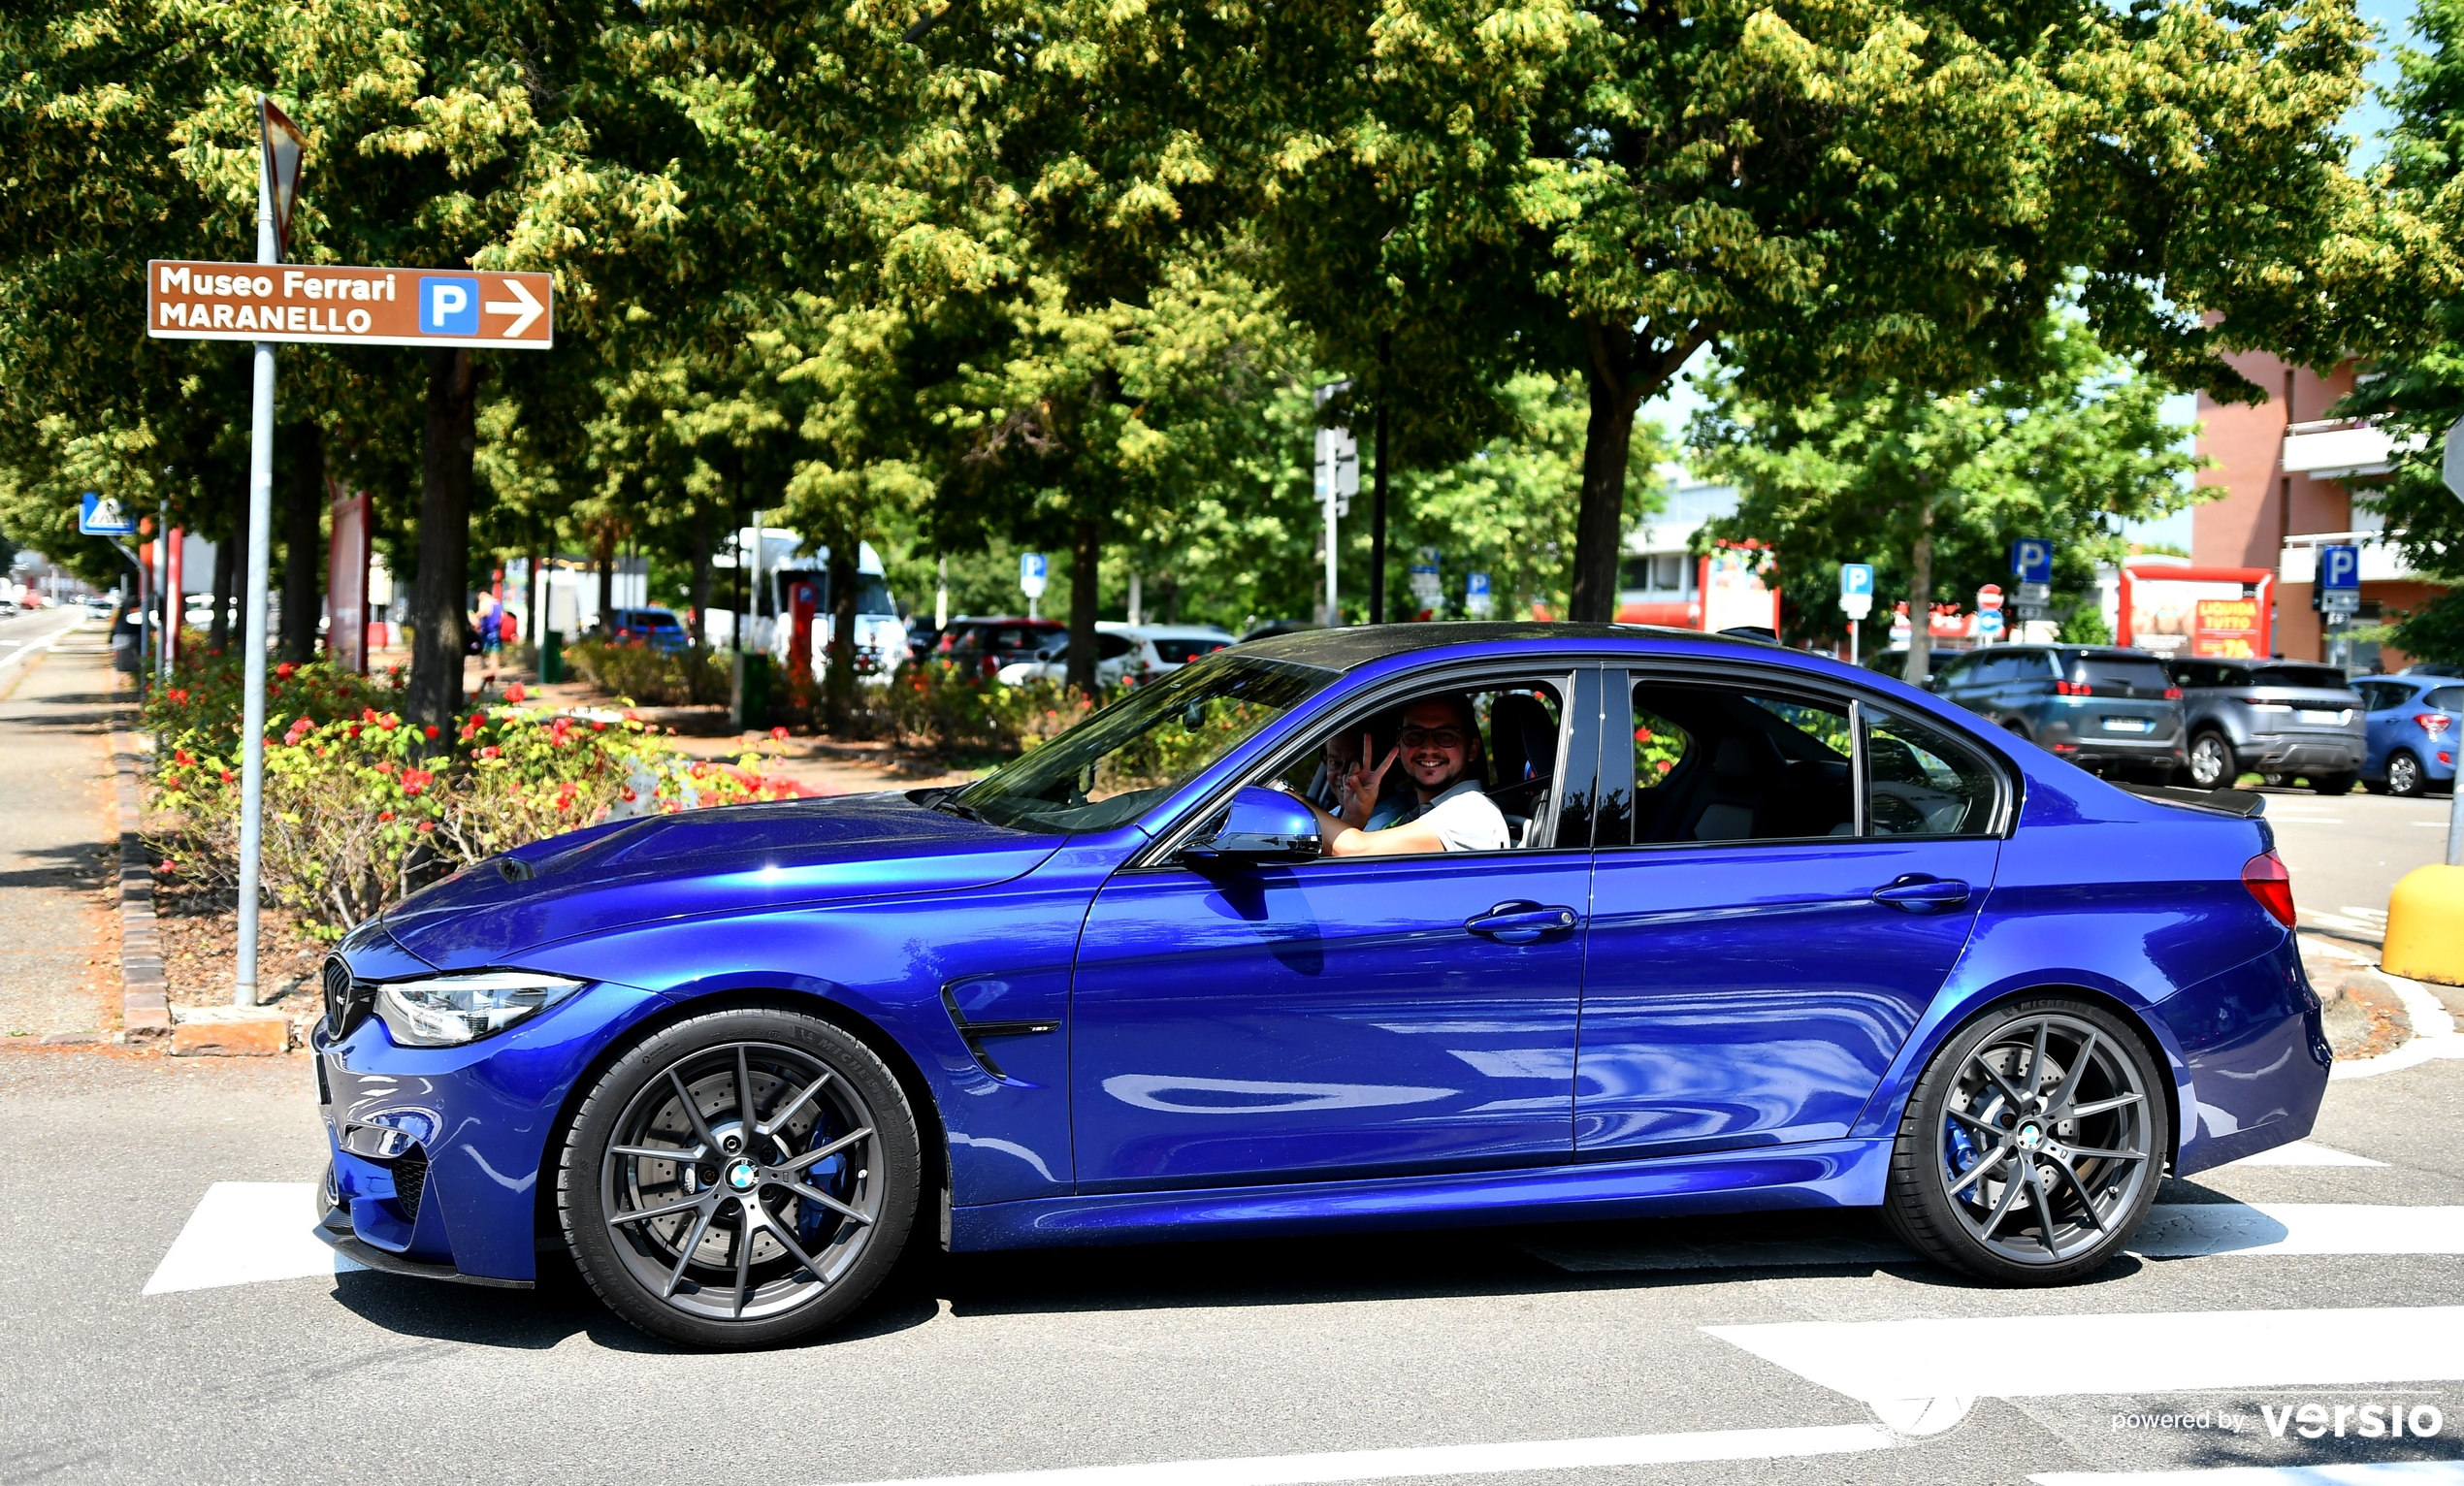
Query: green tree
(1932, 489)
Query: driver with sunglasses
(1444, 809)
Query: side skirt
(1829, 1174)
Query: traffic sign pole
(260, 539)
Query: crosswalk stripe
(2172, 1231)
(2393, 1472)
(246, 1232)
(2304, 1154)
(1891, 1362)
(1450, 1460)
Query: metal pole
(2455, 827)
(1378, 492)
(260, 532)
(162, 585)
(1334, 615)
(1852, 642)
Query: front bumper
(335, 1226)
(438, 1152)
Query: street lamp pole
(252, 693)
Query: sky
(2368, 122)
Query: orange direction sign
(352, 306)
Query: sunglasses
(1433, 738)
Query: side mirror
(1263, 825)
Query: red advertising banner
(2228, 627)
(346, 615)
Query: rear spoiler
(2240, 803)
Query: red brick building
(2292, 473)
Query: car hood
(734, 859)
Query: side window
(1517, 727)
(1725, 764)
(1920, 782)
(1959, 673)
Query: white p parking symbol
(447, 301)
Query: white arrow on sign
(524, 311)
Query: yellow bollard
(2425, 927)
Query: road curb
(144, 990)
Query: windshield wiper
(948, 804)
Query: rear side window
(2121, 675)
(1920, 782)
(2446, 699)
(2314, 677)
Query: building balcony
(2341, 449)
(2380, 561)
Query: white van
(881, 634)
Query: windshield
(1111, 768)
(2318, 678)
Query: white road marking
(2304, 1154)
(2393, 1472)
(2172, 1231)
(2338, 920)
(2429, 824)
(37, 647)
(2378, 914)
(1450, 1460)
(245, 1232)
(1889, 1364)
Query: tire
(666, 1243)
(1947, 1197)
(2211, 762)
(2406, 777)
(2334, 784)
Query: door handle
(1520, 923)
(1919, 894)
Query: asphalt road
(2347, 851)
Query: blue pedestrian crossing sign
(2032, 559)
(101, 515)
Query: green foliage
(2084, 624)
(1855, 476)
(637, 673)
(2434, 632)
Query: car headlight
(449, 1010)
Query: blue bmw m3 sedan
(1342, 929)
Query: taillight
(2073, 688)
(2265, 875)
(2173, 694)
(2432, 723)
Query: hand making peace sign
(1360, 788)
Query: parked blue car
(1769, 932)
(659, 628)
(2416, 725)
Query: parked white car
(1124, 651)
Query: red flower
(384, 815)
(416, 779)
(513, 692)
(286, 669)
(597, 726)
(430, 729)
(178, 697)
(226, 776)
(490, 752)
(384, 765)
(779, 733)
(183, 755)
(425, 826)
(298, 729)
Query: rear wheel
(742, 1179)
(2211, 761)
(2406, 776)
(2031, 1148)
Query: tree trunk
(446, 448)
(305, 442)
(226, 569)
(1086, 550)
(1624, 367)
(702, 576)
(1921, 594)
(606, 580)
(838, 673)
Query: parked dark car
(2413, 721)
(2108, 710)
(2282, 719)
(994, 641)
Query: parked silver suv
(2282, 719)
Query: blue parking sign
(449, 306)
(2340, 566)
(1855, 578)
(2032, 559)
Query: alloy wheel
(743, 1182)
(2404, 774)
(2046, 1140)
(2211, 764)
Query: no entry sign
(365, 307)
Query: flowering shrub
(203, 703)
(951, 707)
(652, 677)
(361, 810)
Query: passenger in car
(1444, 806)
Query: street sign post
(1338, 473)
(2033, 566)
(1032, 570)
(1989, 613)
(2337, 593)
(1856, 599)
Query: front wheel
(2033, 1147)
(2212, 761)
(744, 1178)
